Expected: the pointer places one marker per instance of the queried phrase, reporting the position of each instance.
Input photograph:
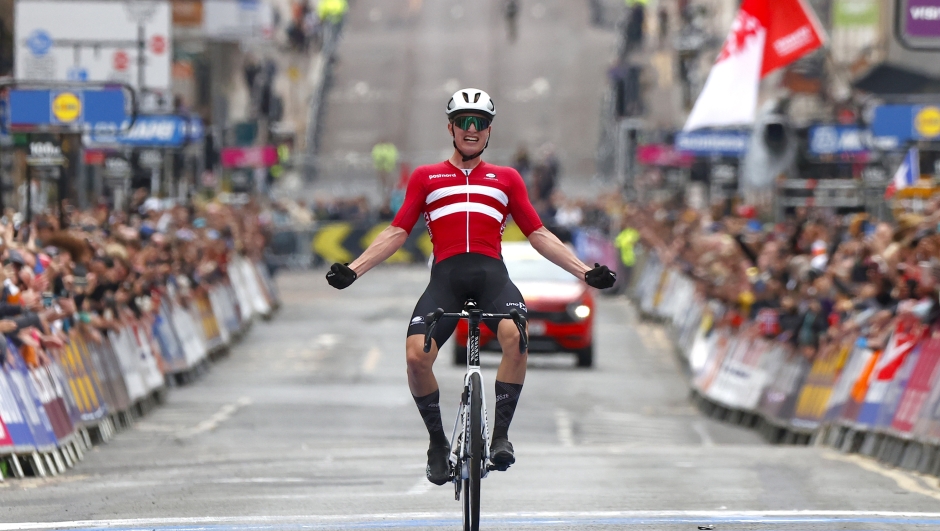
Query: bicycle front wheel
(471, 485)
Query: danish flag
(765, 35)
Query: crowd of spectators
(815, 281)
(104, 267)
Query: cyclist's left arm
(542, 240)
(549, 246)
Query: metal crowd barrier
(97, 384)
(880, 402)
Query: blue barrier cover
(13, 416)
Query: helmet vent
(465, 97)
(476, 98)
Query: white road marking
(906, 480)
(224, 413)
(422, 486)
(702, 432)
(786, 515)
(372, 360)
(564, 428)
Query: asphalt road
(399, 61)
(308, 424)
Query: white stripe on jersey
(466, 207)
(441, 193)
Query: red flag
(792, 33)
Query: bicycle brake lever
(432, 318)
(520, 322)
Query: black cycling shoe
(438, 470)
(502, 454)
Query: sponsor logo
(502, 397)
(441, 175)
(794, 41)
(490, 175)
(520, 305)
(417, 320)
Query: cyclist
(466, 203)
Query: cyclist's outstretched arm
(383, 246)
(549, 246)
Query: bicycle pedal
(491, 467)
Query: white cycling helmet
(471, 100)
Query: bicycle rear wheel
(471, 485)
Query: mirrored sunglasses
(464, 122)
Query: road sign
(121, 60)
(158, 44)
(54, 38)
(101, 110)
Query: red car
(560, 308)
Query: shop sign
(45, 153)
(894, 125)
(87, 110)
(919, 23)
(705, 143)
(155, 131)
(838, 140)
(151, 159)
(249, 157)
(116, 167)
(663, 155)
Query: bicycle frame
(460, 455)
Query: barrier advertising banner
(816, 392)
(919, 388)
(15, 425)
(900, 344)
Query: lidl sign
(86, 110)
(894, 125)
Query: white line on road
(372, 360)
(726, 516)
(422, 486)
(564, 428)
(702, 432)
(224, 413)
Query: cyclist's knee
(417, 359)
(509, 339)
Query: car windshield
(536, 270)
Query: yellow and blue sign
(89, 110)
(66, 107)
(895, 125)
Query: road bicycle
(469, 451)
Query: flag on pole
(765, 35)
(907, 174)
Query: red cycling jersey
(467, 213)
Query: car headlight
(579, 311)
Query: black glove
(340, 276)
(601, 277)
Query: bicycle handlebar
(517, 318)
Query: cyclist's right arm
(393, 237)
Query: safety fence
(880, 398)
(56, 402)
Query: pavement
(399, 61)
(308, 424)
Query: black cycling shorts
(461, 277)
